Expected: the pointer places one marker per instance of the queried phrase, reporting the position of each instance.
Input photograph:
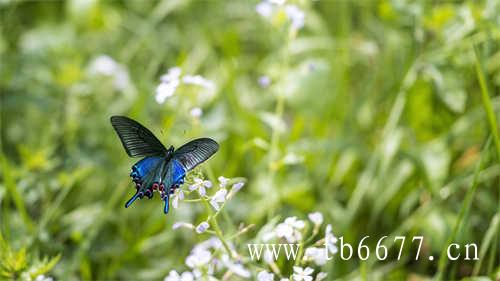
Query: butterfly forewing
(195, 152)
(136, 139)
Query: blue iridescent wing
(195, 152)
(137, 140)
(156, 173)
(173, 177)
(144, 174)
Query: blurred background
(379, 114)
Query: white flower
(178, 195)
(169, 83)
(196, 112)
(107, 66)
(174, 276)
(321, 276)
(264, 9)
(238, 269)
(302, 274)
(317, 255)
(295, 15)
(212, 242)
(219, 197)
(182, 224)
(236, 187)
(290, 229)
(199, 81)
(277, 2)
(265, 276)
(173, 74)
(202, 227)
(200, 185)
(284, 279)
(223, 181)
(198, 258)
(42, 277)
(330, 240)
(104, 65)
(295, 223)
(165, 90)
(264, 81)
(316, 218)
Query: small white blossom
(182, 224)
(239, 270)
(196, 112)
(300, 274)
(42, 277)
(321, 276)
(107, 66)
(219, 197)
(202, 227)
(173, 74)
(104, 65)
(330, 240)
(268, 257)
(236, 187)
(174, 276)
(178, 195)
(290, 229)
(316, 218)
(200, 185)
(265, 9)
(199, 81)
(317, 255)
(198, 258)
(211, 243)
(169, 83)
(284, 279)
(277, 2)
(165, 90)
(264, 81)
(223, 181)
(295, 15)
(265, 276)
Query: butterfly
(161, 169)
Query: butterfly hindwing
(137, 140)
(195, 152)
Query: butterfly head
(170, 151)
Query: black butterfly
(160, 169)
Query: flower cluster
(106, 66)
(272, 9)
(218, 255)
(170, 81)
(215, 254)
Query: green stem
(215, 225)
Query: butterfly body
(161, 170)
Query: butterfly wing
(136, 139)
(144, 174)
(195, 152)
(173, 177)
(156, 172)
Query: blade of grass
(488, 107)
(487, 240)
(464, 211)
(14, 194)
